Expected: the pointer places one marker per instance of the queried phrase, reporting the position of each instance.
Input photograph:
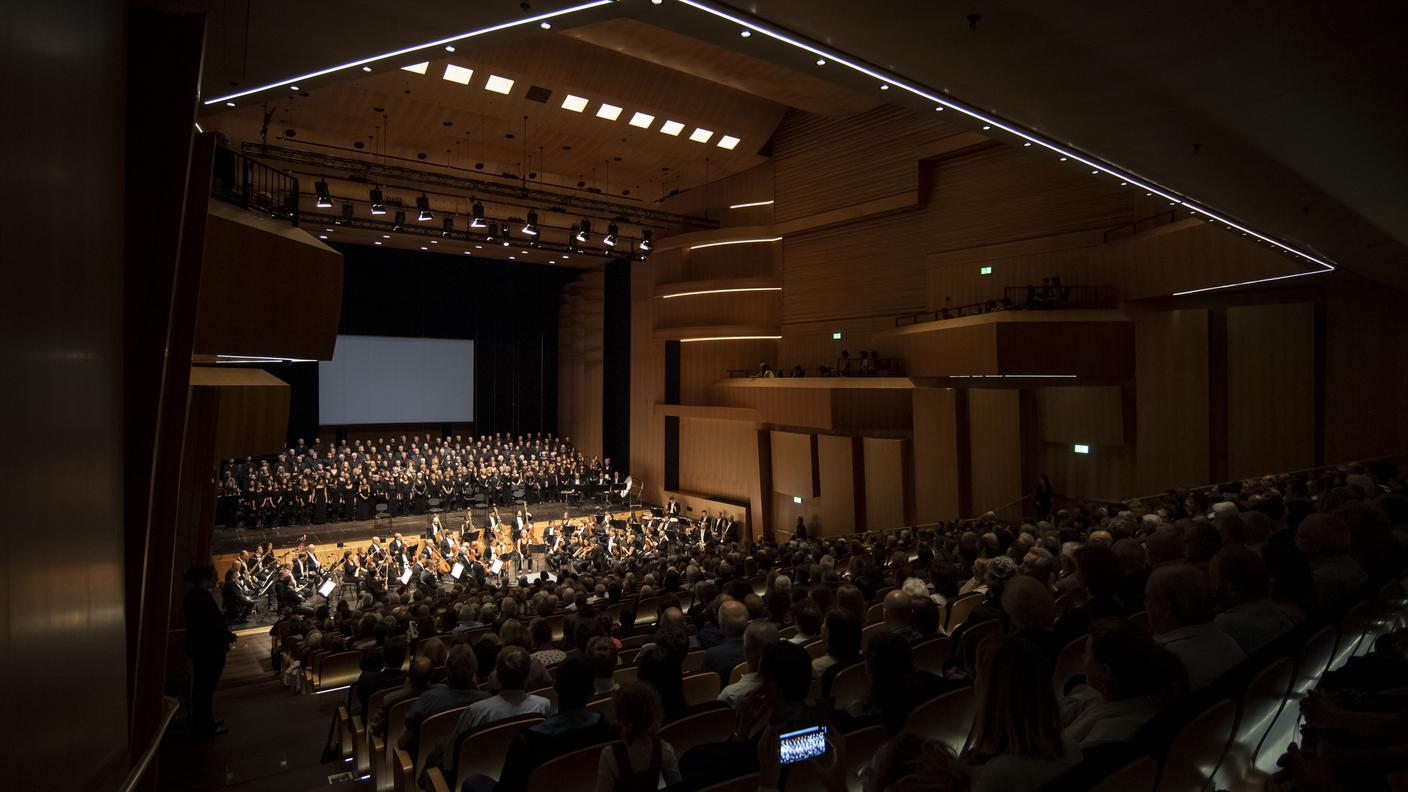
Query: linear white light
(260, 359)
(642, 120)
(418, 68)
(672, 127)
(407, 50)
(458, 74)
(750, 203)
(1327, 267)
(728, 142)
(700, 135)
(720, 291)
(887, 80)
(735, 242)
(574, 103)
(1012, 376)
(499, 85)
(732, 338)
(608, 111)
(198, 129)
(332, 690)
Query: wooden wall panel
(792, 464)
(935, 454)
(722, 309)
(872, 410)
(718, 457)
(1093, 416)
(1186, 255)
(1364, 396)
(1106, 473)
(810, 343)
(1171, 400)
(250, 410)
(1270, 388)
(885, 486)
(833, 512)
(705, 363)
(809, 407)
(714, 199)
(647, 387)
(995, 421)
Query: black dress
(208, 638)
(320, 504)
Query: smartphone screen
(801, 745)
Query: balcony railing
(250, 184)
(1019, 298)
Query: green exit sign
(1080, 448)
(985, 270)
(836, 336)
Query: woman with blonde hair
(1017, 741)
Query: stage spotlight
(492, 233)
(478, 220)
(423, 204)
(378, 205)
(584, 231)
(610, 239)
(647, 240)
(449, 227)
(508, 234)
(531, 227)
(324, 198)
(400, 220)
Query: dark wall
(616, 366)
(508, 308)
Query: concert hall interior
(698, 395)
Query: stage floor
(232, 540)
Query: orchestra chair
(930, 654)
(624, 674)
(711, 724)
(959, 609)
(481, 751)
(850, 684)
(1069, 662)
(572, 772)
(1261, 702)
(361, 741)
(693, 661)
(816, 648)
(549, 693)
(737, 672)
(1311, 661)
(382, 750)
(700, 687)
(1139, 775)
(1141, 619)
(744, 783)
(947, 718)
(382, 512)
(861, 745)
(875, 614)
(870, 631)
(1197, 749)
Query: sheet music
(496, 566)
(457, 570)
(327, 587)
(405, 577)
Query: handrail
(169, 706)
(249, 184)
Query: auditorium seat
(555, 622)
(361, 740)
(850, 684)
(745, 783)
(647, 611)
(625, 674)
(549, 693)
(947, 718)
(636, 641)
(700, 687)
(573, 772)
(759, 584)
(337, 669)
(434, 730)
(816, 648)
(976, 633)
(709, 725)
(1261, 701)
(861, 745)
(1068, 664)
(959, 609)
(627, 656)
(930, 654)
(1197, 749)
(382, 750)
(870, 631)
(737, 672)
(435, 781)
(1139, 775)
(693, 661)
(875, 613)
(1141, 619)
(1310, 664)
(606, 705)
(787, 632)
(1351, 632)
(482, 750)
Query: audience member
(1179, 601)
(640, 760)
(1017, 741)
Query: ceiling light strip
(720, 291)
(733, 338)
(890, 79)
(407, 50)
(734, 242)
(1012, 376)
(751, 203)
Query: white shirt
(734, 694)
(1205, 651)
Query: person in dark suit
(733, 620)
(800, 532)
(208, 639)
(730, 530)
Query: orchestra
(503, 553)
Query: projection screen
(380, 379)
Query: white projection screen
(380, 379)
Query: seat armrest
(435, 780)
(403, 769)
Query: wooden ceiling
(426, 119)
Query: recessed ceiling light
(377, 242)
(478, 247)
(418, 68)
(986, 127)
(434, 241)
(513, 258)
(728, 142)
(642, 120)
(385, 236)
(497, 84)
(322, 236)
(546, 26)
(229, 104)
(939, 109)
(1028, 144)
(821, 61)
(700, 135)
(293, 87)
(449, 47)
(366, 68)
(1063, 159)
(745, 33)
(458, 74)
(608, 111)
(672, 127)
(423, 247)
(884, 86)
(574, 103)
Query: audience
(640, 759)
(1179, 601)
(1017, 741)
(572, 727)
(1128, 679)
(756, 639)
(728, 652)
(1242, 589)
(512, 668)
